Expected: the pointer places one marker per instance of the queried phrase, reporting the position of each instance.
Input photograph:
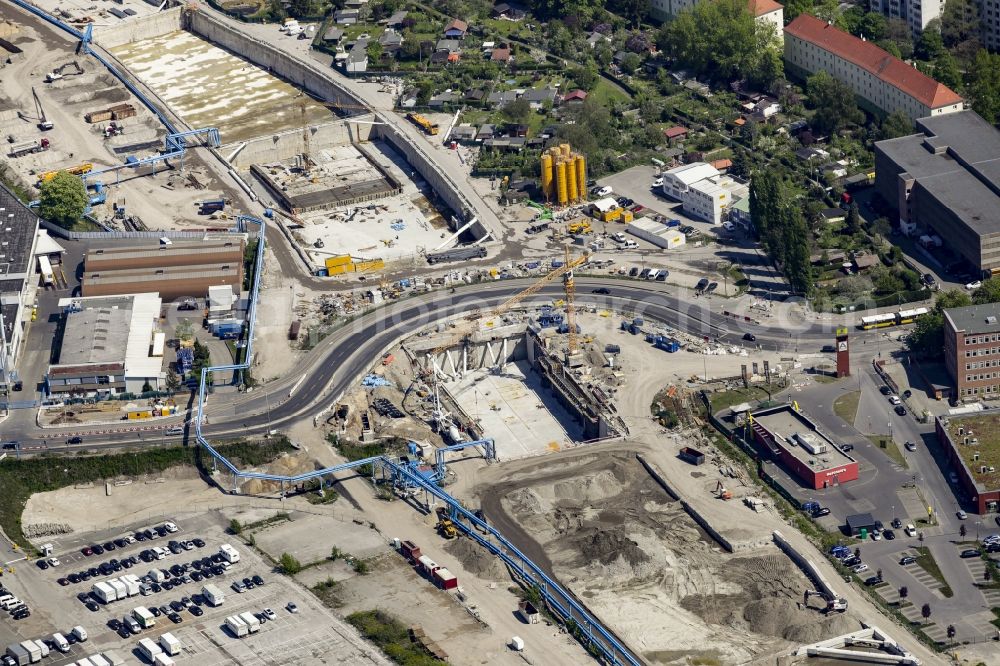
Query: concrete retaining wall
(139, 28)
(285, 145)
(808, 567)
(704, 524)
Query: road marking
(22, 558)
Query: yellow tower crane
(565, 270)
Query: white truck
(237, 626)
(33, 650)
(132, 585)
(163, 660)
(144, 617)
(29, 147)
(121, 590)
(98, 660)
(170, 644)
(213, 594)
(148, 648)
(253, 624)
(229, 553)
(80, 633)
(113, 658)
(61, 643)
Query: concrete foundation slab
(522, 417)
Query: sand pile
(607, 546)
(476, 559)
(784, 618)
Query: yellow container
(581, 175)
(571, 190)
(341, 260)
(627, 216)
(340, 270)
(547, 175)
(561, 189)
(370, 265)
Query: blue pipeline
(558, 600)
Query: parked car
(820, 512)
(750, 337)
(75, 440)
(889, 535)
(969, 552)
(861, 568)
(885, 390)
(974, 285)
(601, 290)
(894, 400)
(910, 446)
(907, 559)
(899, 409)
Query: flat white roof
(692, 173)
(605, 204)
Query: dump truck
(29, 147)
(423, 123)
(457, 254)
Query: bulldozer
(445, 527)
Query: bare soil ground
(634, 556)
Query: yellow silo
(547, 175)
(581, 175)
(561, 189)
(566, 149)
(571, 183)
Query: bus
(891, 319)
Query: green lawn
(607, 93)
(846, 406)
(891, 449)
(725, 399)
(930, 565)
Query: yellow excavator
(445, 527)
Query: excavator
(721, 492)
(445, 527)
(57, 73)
(833, 603)
(44, 123)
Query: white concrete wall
(290, 143)
(139, 28)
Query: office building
(971, 443)
(18, 238)
(882, 82)
(703, 190)
(945, 181)
(972, 350)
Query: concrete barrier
(698, 518)
(811, 571)
(288, 144)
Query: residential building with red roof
(883, 81)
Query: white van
(175, 430)
(10, 602)
(61, 643)
(80, 633)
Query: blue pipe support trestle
(564, 605)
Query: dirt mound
(477, 560)
(601, 485)
(784, 618)
(606, 546)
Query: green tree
(853, 223)
(988, 293)
(633, 10)
(235, 527)
(834, 103)
(927, 338)
(173, 382)
(289, 564)
(719, 38)
(959, 22)
(795, 7)
(895, 125)
(873, 26)
(931, 43)
(798, 268)
(517, 111)
(374, 52)
(585, 78)
(630, 63)
(63, 199)
(984, 85)
(184, 330)
(898, 33)
(946, 70)
(741, 164)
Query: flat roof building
(884, 82)
(787, 436)
(971, 443)
(18, 237)
(703, 190)
(107, 346)
(180, 269)
(972, 351)
(946, 180)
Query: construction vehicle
(721, 492)
(833, 603)
(77, 170)
(445, 527)
(28, 147)
(581, 226)
(44, 123)
(423, 123)
(566, 268)
(114, 129)
(57, 73)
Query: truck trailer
(144, 617)
(149, 648)
(20, 655)
(29, 147)
(237, 626)
(253, 624)
(213, 594)
(104, 592)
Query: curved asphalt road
(335, 364)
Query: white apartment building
(703, 191)
(883, 81)
(764, 10)
(989, 14)
(917, 13)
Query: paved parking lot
(312, 635)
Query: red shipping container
(410, 550)
(446, 579)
